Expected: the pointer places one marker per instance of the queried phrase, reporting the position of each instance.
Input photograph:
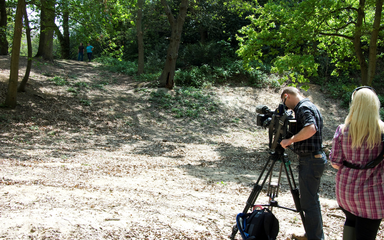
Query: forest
(337, 45)
(155, 136)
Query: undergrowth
(188, 102)
(195, 76)
(342, 88)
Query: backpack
(261, 224)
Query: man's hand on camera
(303, 134)
(286, 142)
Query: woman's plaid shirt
(360, 192)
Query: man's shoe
(297, 237)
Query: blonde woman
(360, 190)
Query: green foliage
(211, 53)
(194, 76)
(340, 88)
(81, 85)
(118, 66)
(232, 71)
(381, 98)
(303, 65)
(148, 77)
(187, 102)
(294, 36)
(59, 81)
(155, 59)
(72, 90)
(85, 102)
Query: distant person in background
(81, 52)
(360, 191)
(89, 52)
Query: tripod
(273, 188)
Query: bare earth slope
(96, 160)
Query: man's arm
(303, 134)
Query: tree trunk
(43, 21)
(140, 41)
(29, 64)
(357, 43)
(372, 59)
(10, 100)
(66, 49)
(3, 27)
(167, 76)
(64, 38)
(203, 34)
(47, 26)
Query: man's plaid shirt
(306, 113)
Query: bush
(188, 102)
(211, 53)
(194, 76)
(59, 81)
(118, 66)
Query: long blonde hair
(364, 119)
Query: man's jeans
(80, 57)
(310, 171)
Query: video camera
(281, 123)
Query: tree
(167, 76)
(47, 26)
(3, 27)
(290, 35)
(64, 37)
(140, 41)
(10, 100)
(23, 83)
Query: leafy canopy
(291, 35)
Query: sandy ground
(119, 168)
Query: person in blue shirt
(89, 52)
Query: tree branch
(168, 12)
(342, 27)
(336, 35)
(346, 8)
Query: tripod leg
(258, 187)
(255, 191)
(294, 190)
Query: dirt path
(96, 160)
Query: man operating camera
(307, 143)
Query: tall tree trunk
(66, 49)
(140, 41)
(3, 27)
(167, 76)
(10, 100)
(357, 43)
(43, 23)
(64, 38)
(203, 34)
(23, 83)
(372, 59)
(47, 26)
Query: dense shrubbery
(197, 76)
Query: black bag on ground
(261, 224)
